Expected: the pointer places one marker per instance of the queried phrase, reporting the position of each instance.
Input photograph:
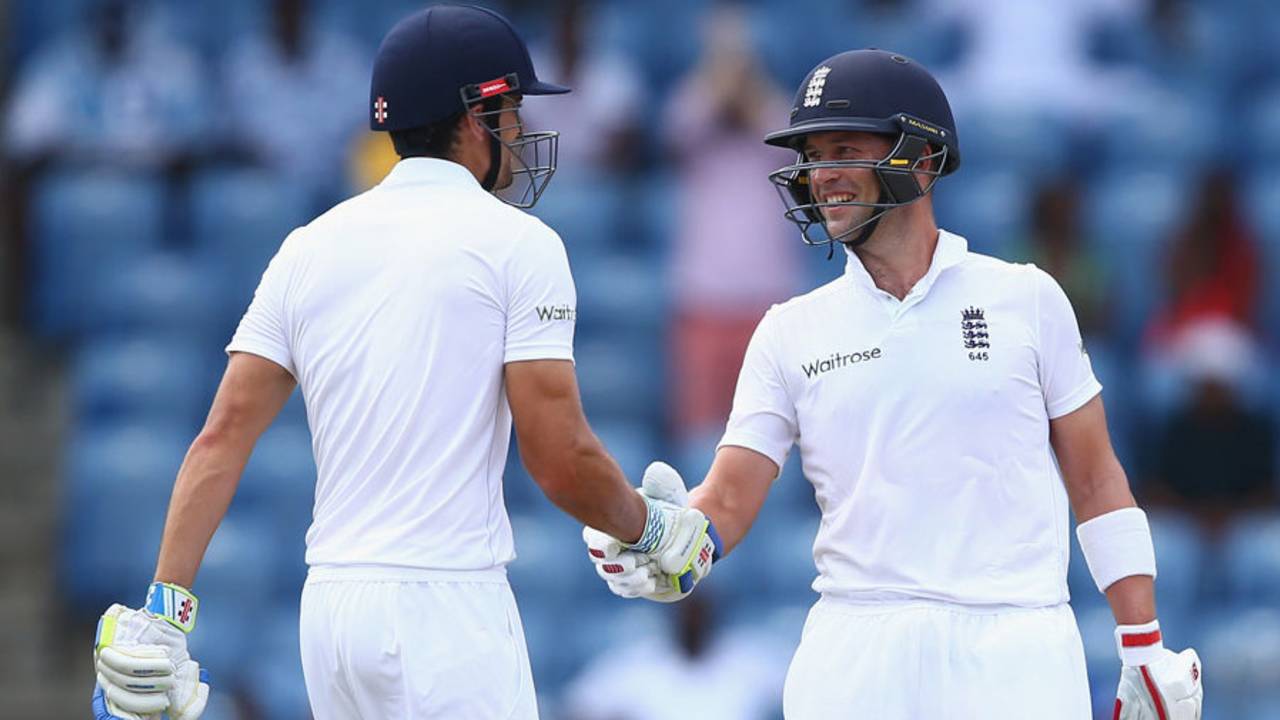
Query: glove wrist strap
(655, 525)
(1139, 644)
(174, 603)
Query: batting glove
(628, 574)
(675, 551)
(143, 667)
(1156, 683)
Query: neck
(899, 252)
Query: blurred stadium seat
(1251, 559)
(141, 378)
(87, 226)
(239, 220)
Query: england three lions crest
(973, 330)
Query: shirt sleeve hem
(267, 353)
(1074, 401)
(756, 443)
(538, 352)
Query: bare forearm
(731, 518)
(201, 494)
(1133, 600)
(733, 492)
(596, 493)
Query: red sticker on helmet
(494, 87)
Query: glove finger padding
(1170, 688)
(601, 546)
(190, 694)
(662, 482)
(137, 664)
(123, 702)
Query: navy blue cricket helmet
(868, 91)
(443, 60)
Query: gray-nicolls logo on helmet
(865, 91)
(446, 60)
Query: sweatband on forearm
(1117, 545)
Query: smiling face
(845, 184)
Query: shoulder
(816, 300)
(1022, 281)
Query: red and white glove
(1156, 683)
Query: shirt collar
(423, 170)
(950, 250)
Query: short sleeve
(1066, 375)
(764, 416)
(263, 330)
(541, 300)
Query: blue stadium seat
(239, 219)
(784, 545)
(584, 210)
(1251, 559)
(551, 560)
(1034, 146)
(87, 227)
(142, 377)
(1183, 137)
(990, 209)
(279, 482)
(621, 294)
(633, 444)
(1241, 653)
(664, 36)
(621, 380)
(1181, 554)
(276, 688)
(161, 293)
(117, 481)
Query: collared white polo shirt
(396, 311)
(923, 425)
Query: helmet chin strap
(495, 165)
(865, 234)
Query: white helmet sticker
(813, 93)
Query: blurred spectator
(733, 253)
(1035, 56)
(1215, 455)
(113, 90)
(599, 120)
(1213, 263)
(710, 676)
(296, 97)
(1057, 245)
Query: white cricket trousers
(386, 643)
(937, 661)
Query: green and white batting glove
(674, 552)
(143, 667)
(1156, 683)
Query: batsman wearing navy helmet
(949, 420)
(421, 320)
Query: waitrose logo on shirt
(837, 361)
(552, 313)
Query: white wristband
(1116, 545)
(1139, 644)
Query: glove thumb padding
(662, 482)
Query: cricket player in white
(419, 319)
(947, 416)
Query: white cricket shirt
(923, 425)
(396, 311)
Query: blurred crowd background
(154, 155)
